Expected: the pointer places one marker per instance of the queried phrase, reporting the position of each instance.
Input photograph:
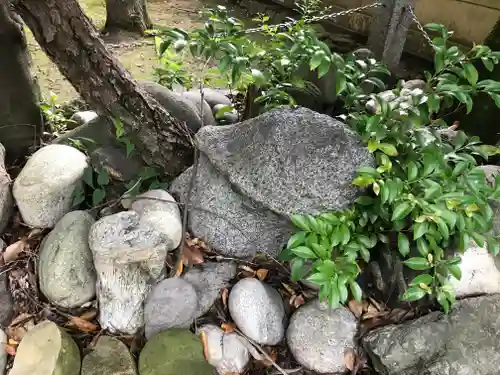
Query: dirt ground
(138, 56)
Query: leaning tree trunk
(20, 119)
(129, 15)
(69, 38)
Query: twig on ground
(184, 9)
(262, 351)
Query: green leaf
(317, 59)
(443, 301)
(434, 103)
(334, 297)
(130, 147)
(495, 97)
(304, 252)
(103, 177)
(88, 176)
(419, 229)
(401, 211)
(319, 278)
(340, 82)
(412, 170)
(258, 77)
(343, 293)
(493, 246)
(296, 240)
(98, 196)
(286, 255)
(363, 181)
(423, 247)
(455, 271)
(298, 269)
(324, 291)
(356, 290)
(443, 228)
(346, 235)
(300, 222)
(413, 293)
(388, 149)
(422, 279)
(488, 63)
(323, 68)
(471, 73)
(417, 263)
(403, 244)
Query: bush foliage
(427, 194)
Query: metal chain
(318, 18)
(419, 25)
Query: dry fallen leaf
(10, 349)
(89, 315)
(82, 325)
(192, 255)
(20, 326)
(180, 265)
(225, 296)
(228, 327)
(12, 251)
(356, 308)
(273, 355)
(203, 337)
(298, 301)
(288, 288)
(261, 274)
(349, 359)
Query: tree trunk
(20, 119)
(128, 15)
(69, 38)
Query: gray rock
(157, 213)
(109, 357)
(480, 274)
(208, 280)
(292, 161)
(6, 303)
(225, 350)
(82, 118)
(65, 266)
(115, 160)
(6, 201)
(46, 349)
(3, 354)
(96, 133)
(174, 352)
(174, 103)
(171, 304)
(414, 84)
(44, 189)
(129, 257)
(491, 172)
(363, 54)
(258, 311)
(466, 341)
(214, 96)
(318, 336)
(229, 222)
(228, 117)
(195, 98)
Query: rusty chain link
(419, 25)
(318, 18)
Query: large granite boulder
(255, 174)
(466, 341)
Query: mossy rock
(174, 352)
(109, 357)
(47, 350)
